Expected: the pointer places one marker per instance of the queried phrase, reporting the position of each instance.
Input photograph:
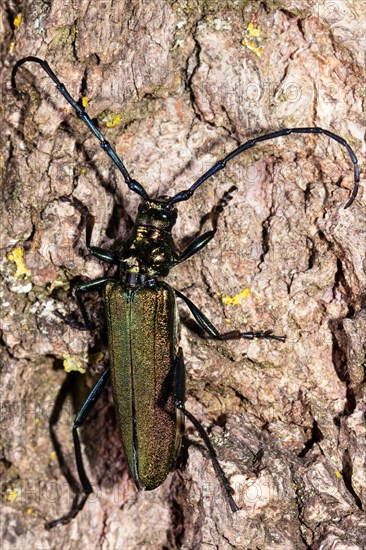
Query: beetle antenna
(133, 185)
(187, 193)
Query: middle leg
(202, 240)
(212, 331)
(80, 289)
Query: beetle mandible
(147, 367)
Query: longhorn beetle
(147, 366)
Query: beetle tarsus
(70, 516)
(266, 335)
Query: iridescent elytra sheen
(143, 348)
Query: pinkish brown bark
(175, 86)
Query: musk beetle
(146, 362)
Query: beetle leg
(202, 240)
(212, 331)
(79, 421)
(100, 253)
(84, 287)
(179, 388)
(215, 463)
(196, 245)
(179, 377)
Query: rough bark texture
(175, 86)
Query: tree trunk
(175, 86)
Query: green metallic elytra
(143, 344)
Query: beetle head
(157, 213)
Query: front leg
(212, 331)
(100, 253)
(195, 246)
(202, 240)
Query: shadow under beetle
(147, 366)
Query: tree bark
(175, 86)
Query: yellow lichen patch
(111, 119)
(17, 256)
(11, 494)
(253, 31)
(24, 325)
(252, 42)
(29, 510)
(251, 46)
(236, 300)
(85, 102)
(115, 120)
(18, 20)
(338, 475)
(83, 171)
(53, 455)
(73, 364)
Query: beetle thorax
(150, 248)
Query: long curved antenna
(133, 185)
(187, 193)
